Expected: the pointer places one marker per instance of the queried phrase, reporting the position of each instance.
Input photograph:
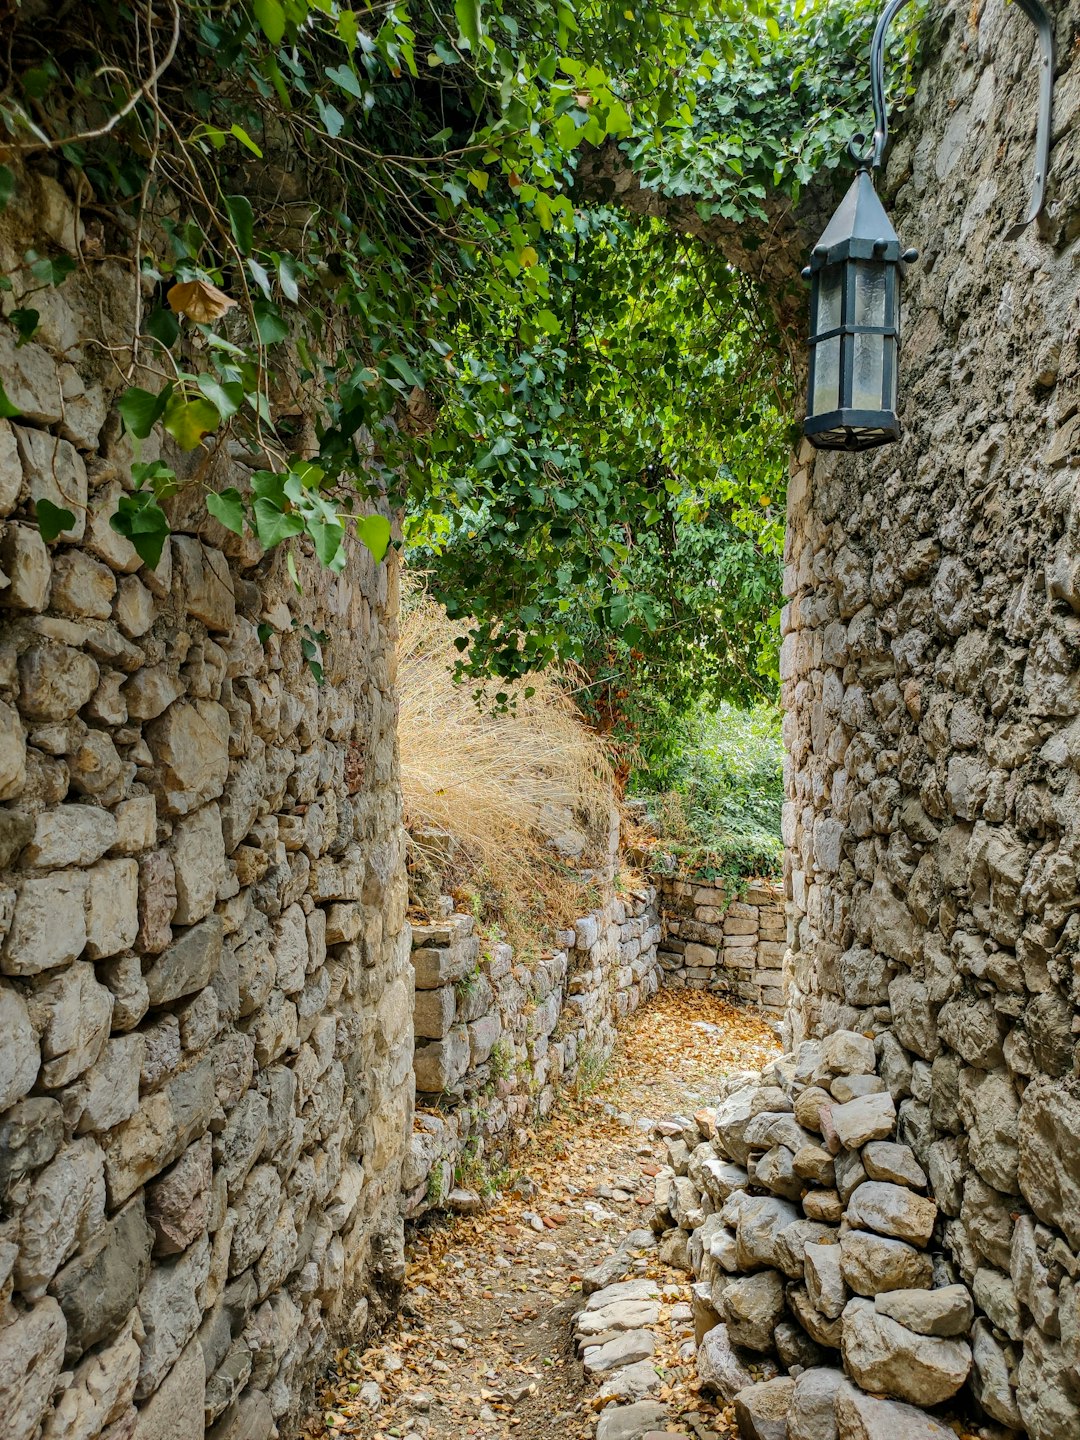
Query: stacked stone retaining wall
(496, 1037)
(205, 988)
(735, 947)
(931, 676)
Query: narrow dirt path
(483, 1349)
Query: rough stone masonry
(931, 664)
(205, 987)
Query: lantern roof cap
(859, 229)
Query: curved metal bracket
(1037, 13)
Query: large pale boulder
(885, 1357)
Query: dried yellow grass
(507, 787)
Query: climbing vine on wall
(364, 262)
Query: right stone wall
(931, 667)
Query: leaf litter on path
(483, 1347)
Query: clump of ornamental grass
(508, 806)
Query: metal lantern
(855, 271)
(854, 326)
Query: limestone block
(157, 902)
(70, 835)
(112, 907)
(436, 967)
(993, 1376)
(872, 1263)
(82, 586)
(207, 582)
(10, 469)
(130, 996)
(54, 470)
(188, 964)
(761, 1410)
(165, 1124)
(720, 1369)
(161, 1053)
(864, 1417)
(151, 691)
(944, 1312)
(811, 1415)
(760, 1223)
(65, 1208)
(30, 1135)
(24, 559)
(175, 1410)
(190, 746)
(133, 609)
(100, 1392)
(169, 1312)
(101, 539)
(96, 768)
(55, 681)
(870, 1117)
(434, 1011)
(136, 825)
(73, 1010)
(99, 1287)
(845, 1052)
(31, 1359)
(19, 1058)
(883, 1160)
(824, 1282)
(439, 1064)
(483, 1037)
(108, 1092)
(31, 381)
(990, 1109)
(256, 1215)
(753, 1305)
(12, 753)
(290, 948)
(887, 1358)
(892, 1210)
(198, 856)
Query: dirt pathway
(483, 1347)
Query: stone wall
(496, 1037)
(735, 947)
(931, 665)
(205, 989)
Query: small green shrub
(716, 802)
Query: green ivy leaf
(227, 508)
(163, 325)
(241, 221)
(8, 411)
(239, 133)
(140, 519)
(226, 396)
(264, 630)
(288, 271)
(374, 531)
(25, 322)
(342, 76)
(140, 410)
(271, 17)
(272, 525)
(52, 271)
(187, 421)
(52, 519)
(327, 537)
(469, 22)
(271, 327)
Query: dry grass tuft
(503, 809)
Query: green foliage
(584, 416)
(716, 802)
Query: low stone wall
(495, 1037)
(735, 947)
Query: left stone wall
(205, 985)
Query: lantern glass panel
(829, 293)
(891, 367)
(867, 373)
(869, 294)
(826, 375)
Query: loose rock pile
(812, 1240)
